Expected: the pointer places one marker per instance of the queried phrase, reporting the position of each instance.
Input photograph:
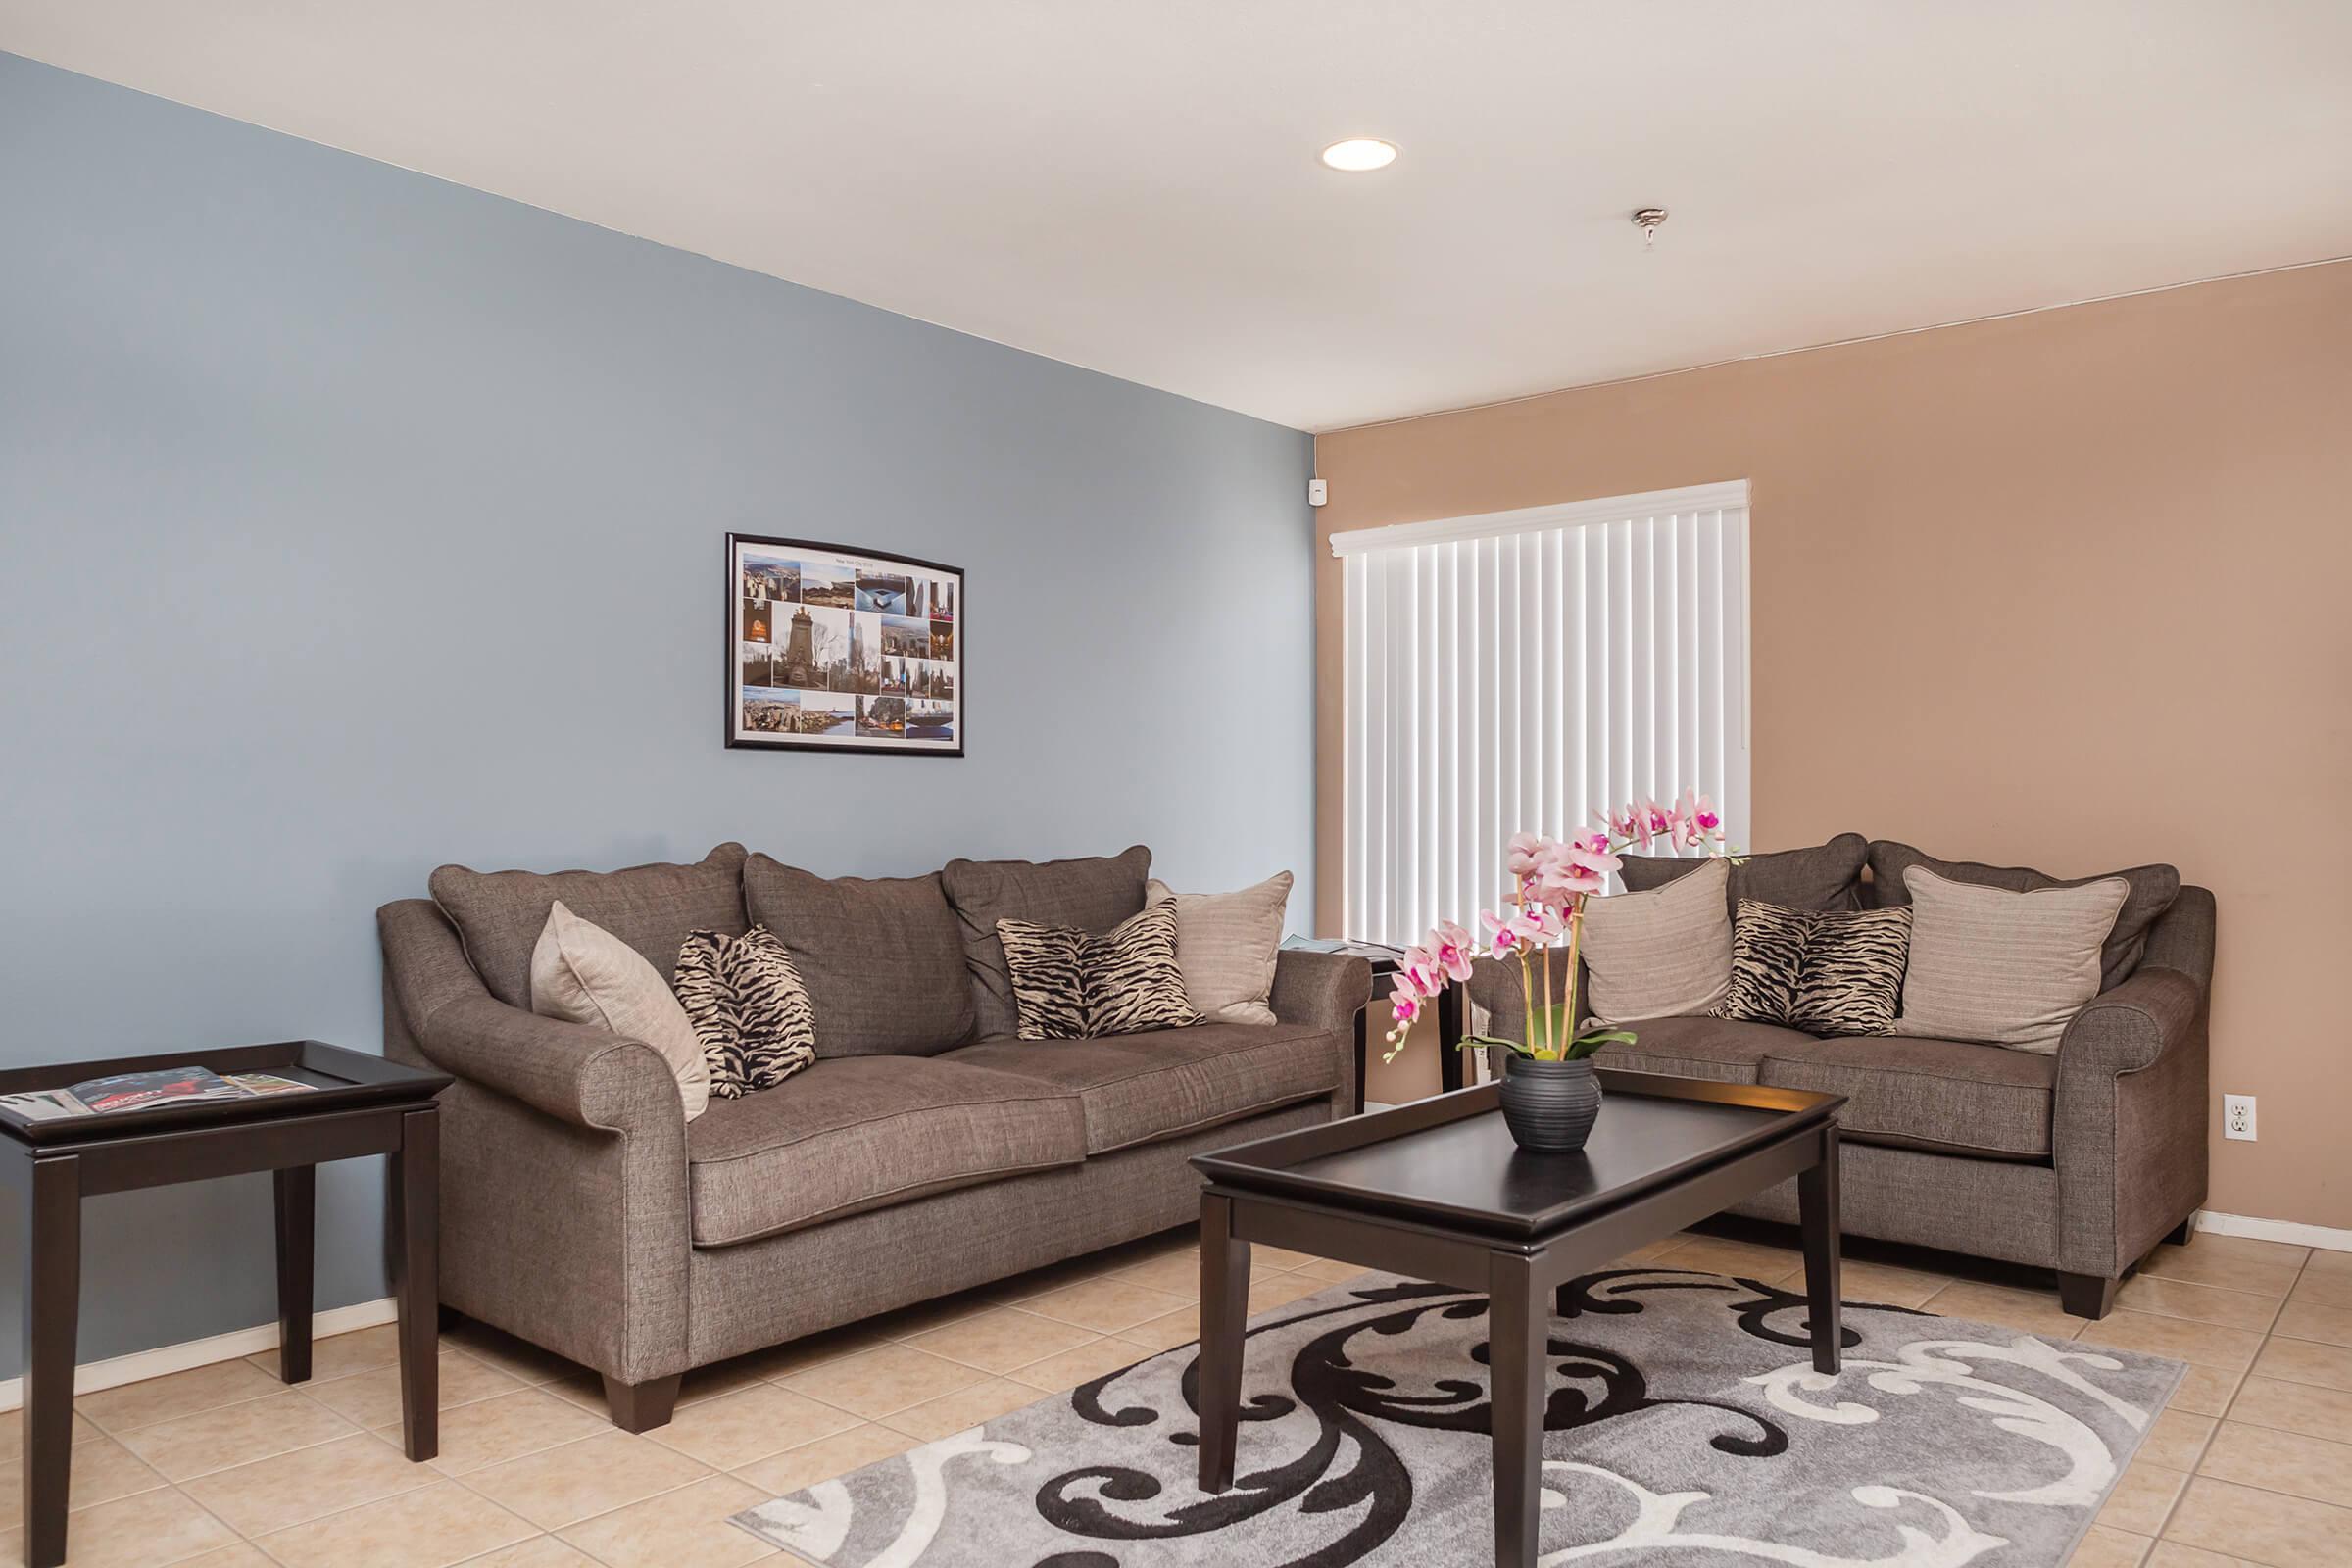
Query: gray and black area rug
(1686, 1429)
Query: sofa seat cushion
(853, 1133)
(1724, 1051)
(1927, 1093)
(1138, 1089)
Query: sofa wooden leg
(2178, 1235)
(641, 1406)
(2086, 1295)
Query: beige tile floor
(224, 1467)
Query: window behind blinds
(1520, 671)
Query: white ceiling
(1132, 186)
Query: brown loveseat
(2078, 1162)
(917, 1156)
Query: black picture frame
(857, 711)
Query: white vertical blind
(1520, 671)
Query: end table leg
(297, 1205)
(1817, 1210)
(1518, 1366)
(1363, 1054)
(1452, 1005)
(52, 1299)
(414, 1224)
(1224, 1314)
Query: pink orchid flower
(1619, 822)
(1569, 871)
(1699, 811)
(1450, 948)
(1403, 1006)
(1419, 970)
(1593, 864)
(1499, 933)
(1522, 852)
(1529, 927)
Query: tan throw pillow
(2004, 969)
(1226, 945)
(582, 974)
(1662, 954)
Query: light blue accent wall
(352, 522)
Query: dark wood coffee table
(1438, 1191)
(357, 1104)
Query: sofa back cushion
(2002, 967)
(1825, 876)
(2153, 888)
(499, 914)
(1090, 895)
(882, 958)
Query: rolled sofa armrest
(2127, 1131)
(584, 1075)
(2127, 1029)
(1324, 988)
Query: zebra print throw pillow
(748, 1007)
(1069, 986)
(1825, 971)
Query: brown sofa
(581, 1210)
(2079, 1162)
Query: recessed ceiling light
(1360, 155)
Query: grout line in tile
(117, 1433)
(234, 1533)
(278, 1453)
(2253, 1486)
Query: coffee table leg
(297, 1204)
(52, 1299)
(1224, 1314)
(415, 1242)
(1517, 1365)
(1817, 1210)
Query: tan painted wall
(2066, 590)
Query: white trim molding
(140, 1366)
(1723, 496)
(2326, 1238)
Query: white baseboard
(144, 1364)
(2293, 1231)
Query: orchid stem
(1552, 1018)
(1576, 928)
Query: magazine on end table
(140, 1090)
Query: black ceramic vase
(1550, 1107)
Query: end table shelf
(357, 1104)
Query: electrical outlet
(2237, 1116)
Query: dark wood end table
(359, 1105)
(1453, 1010)
(1438, 1191)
